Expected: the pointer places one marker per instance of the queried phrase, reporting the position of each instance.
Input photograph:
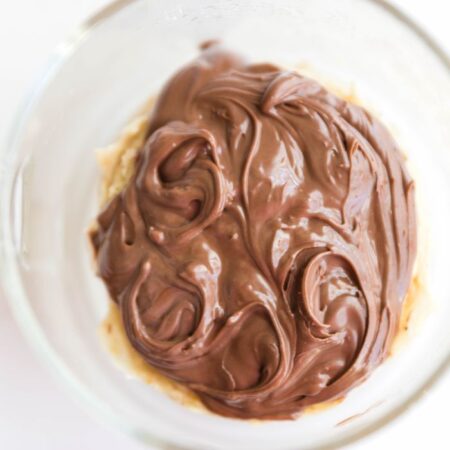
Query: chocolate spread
(261, 252)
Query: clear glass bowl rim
(10, 283)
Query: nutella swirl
(261, 252)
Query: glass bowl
(97, 81)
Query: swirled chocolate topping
(263, 247)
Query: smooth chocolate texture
(262, 250)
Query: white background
(35, 411)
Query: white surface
(35, 412)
